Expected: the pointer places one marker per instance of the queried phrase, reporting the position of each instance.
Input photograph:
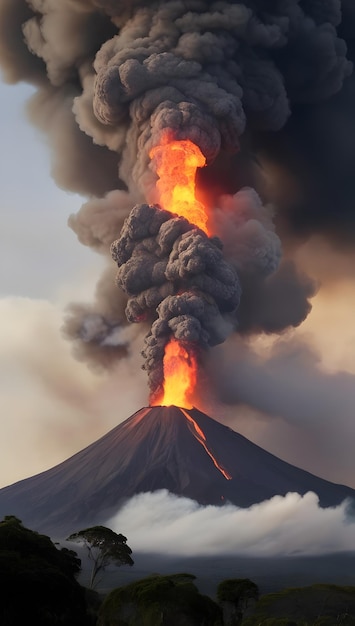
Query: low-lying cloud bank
(160, 522)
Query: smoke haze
(52, 406)
(294, 399)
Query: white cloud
(160, 522)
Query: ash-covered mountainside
(181, 450)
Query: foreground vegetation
(170, 600)
(39, 585)
(317, 605)
(38, 581)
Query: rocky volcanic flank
(181, 450)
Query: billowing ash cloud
(124, 73)
(275, 294)
(172, 269)
(269, 78)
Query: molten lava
(201, 437)
(176, 162)
(176, 165)
(179, 376)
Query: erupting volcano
(177, 162)
(180, 122)
(175, 276)
(162, 447)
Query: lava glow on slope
(176, 165)
(201, 437)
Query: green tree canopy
(319, 605)
(157, 600)
(237, 590)
(235, 595)
(27, 543)
(38, 583)
(104, 547)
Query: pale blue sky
(51, 405)
(37, 249)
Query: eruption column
(112, 78)
(180, 372)
(176, 165)
(175, 276)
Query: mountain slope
(184, 451)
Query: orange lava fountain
(180, 370)
(176, 165)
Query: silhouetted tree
(104, 546)
(27, 543)
(38, 583)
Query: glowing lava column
(176, 164)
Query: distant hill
(323, 605)
(183, 451)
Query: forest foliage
(39, 584)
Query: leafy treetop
(28, 543)
(104, 546)
(237, 590)
(157, 600)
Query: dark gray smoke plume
(170, 268)
(259, 86)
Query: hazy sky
(52, 405)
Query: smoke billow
(271, 80)
(172, 269)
